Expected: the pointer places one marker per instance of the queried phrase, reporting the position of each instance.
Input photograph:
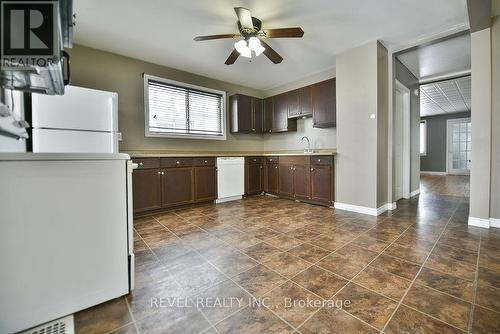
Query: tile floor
(417, 269)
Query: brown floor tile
(455, 253)
(234, 263)
(367, 305)
(411, 254)
(175, 319)
(103, 318)
(303, 234)
(468, 244)
(259, 280)
(196, 279)
(452, 267)
(490, 258)
(383, 282)
(370, 243)
(286, 264)
(488, 297)
(347, 261)
(446, 283)
(128, 329)
(485, 321)
(409, 240)
(309, 252)
(331, 320)
(284, 242)
(396, 266)
(381, 235)
(319, 281)
(292, 303)
(408, 321)
(264, 233)
(221, 300)
(444, 307)
(488, 276)
(328, 243)
(253, 320)
(261, 251)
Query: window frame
(149, 133)
(420, 139)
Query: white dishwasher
(230, 178)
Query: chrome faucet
(307, 150)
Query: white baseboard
(479, 222)
(495, 222)
(433, 173)
(365, 210)
(414, 193)
(228, 199)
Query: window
(176, 109)
(423, 137)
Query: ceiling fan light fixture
(255, 46)
(242, 47)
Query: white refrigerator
(82, 120)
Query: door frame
(448, 134)
(406, 136)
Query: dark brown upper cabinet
(280, 120)
(246, 114)
(268, 114)
(300, 102)
(324, 107)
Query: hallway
(449, 185)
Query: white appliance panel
(79, 108)
(66, 141)
(230, 177)
(63, 247)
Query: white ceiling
(162, 31)
(441, 59)
(445, 97)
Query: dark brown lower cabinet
(254, 176)
(321, 183)
(285, 180)
(177, 186)
(205, 187)
(301, 182)
(271, 178)
(146, 189)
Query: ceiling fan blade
(284, 32)
(244, 17)
(271, 54)
(209, 37)
(232, 57)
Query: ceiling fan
(251, 30)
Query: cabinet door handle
(312, 169)
(206, 161)
(162, 173)
(141, 164)
(178, 162)
(159, 173)
(276, 167)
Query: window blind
(180, 110)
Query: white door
(398, 146)
(459, 146)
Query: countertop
(29, 156)
(175, 154)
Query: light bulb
(255, 46)
(242, 48)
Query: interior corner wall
(356, 170)
(409, 80)
(481, 124)
(103, 70)
(382, 126)
(495, 117)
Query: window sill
(183, 136)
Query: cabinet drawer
(203, 161)
(272, 160)
(294, 160)
(176, 162)
(321, 160)
(253, 160)
(145, 163)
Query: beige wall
(103, 70)
(481, 124)
(382, 126)
(495, 117)
(356, 176)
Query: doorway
(401, 174)
(458, 148)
